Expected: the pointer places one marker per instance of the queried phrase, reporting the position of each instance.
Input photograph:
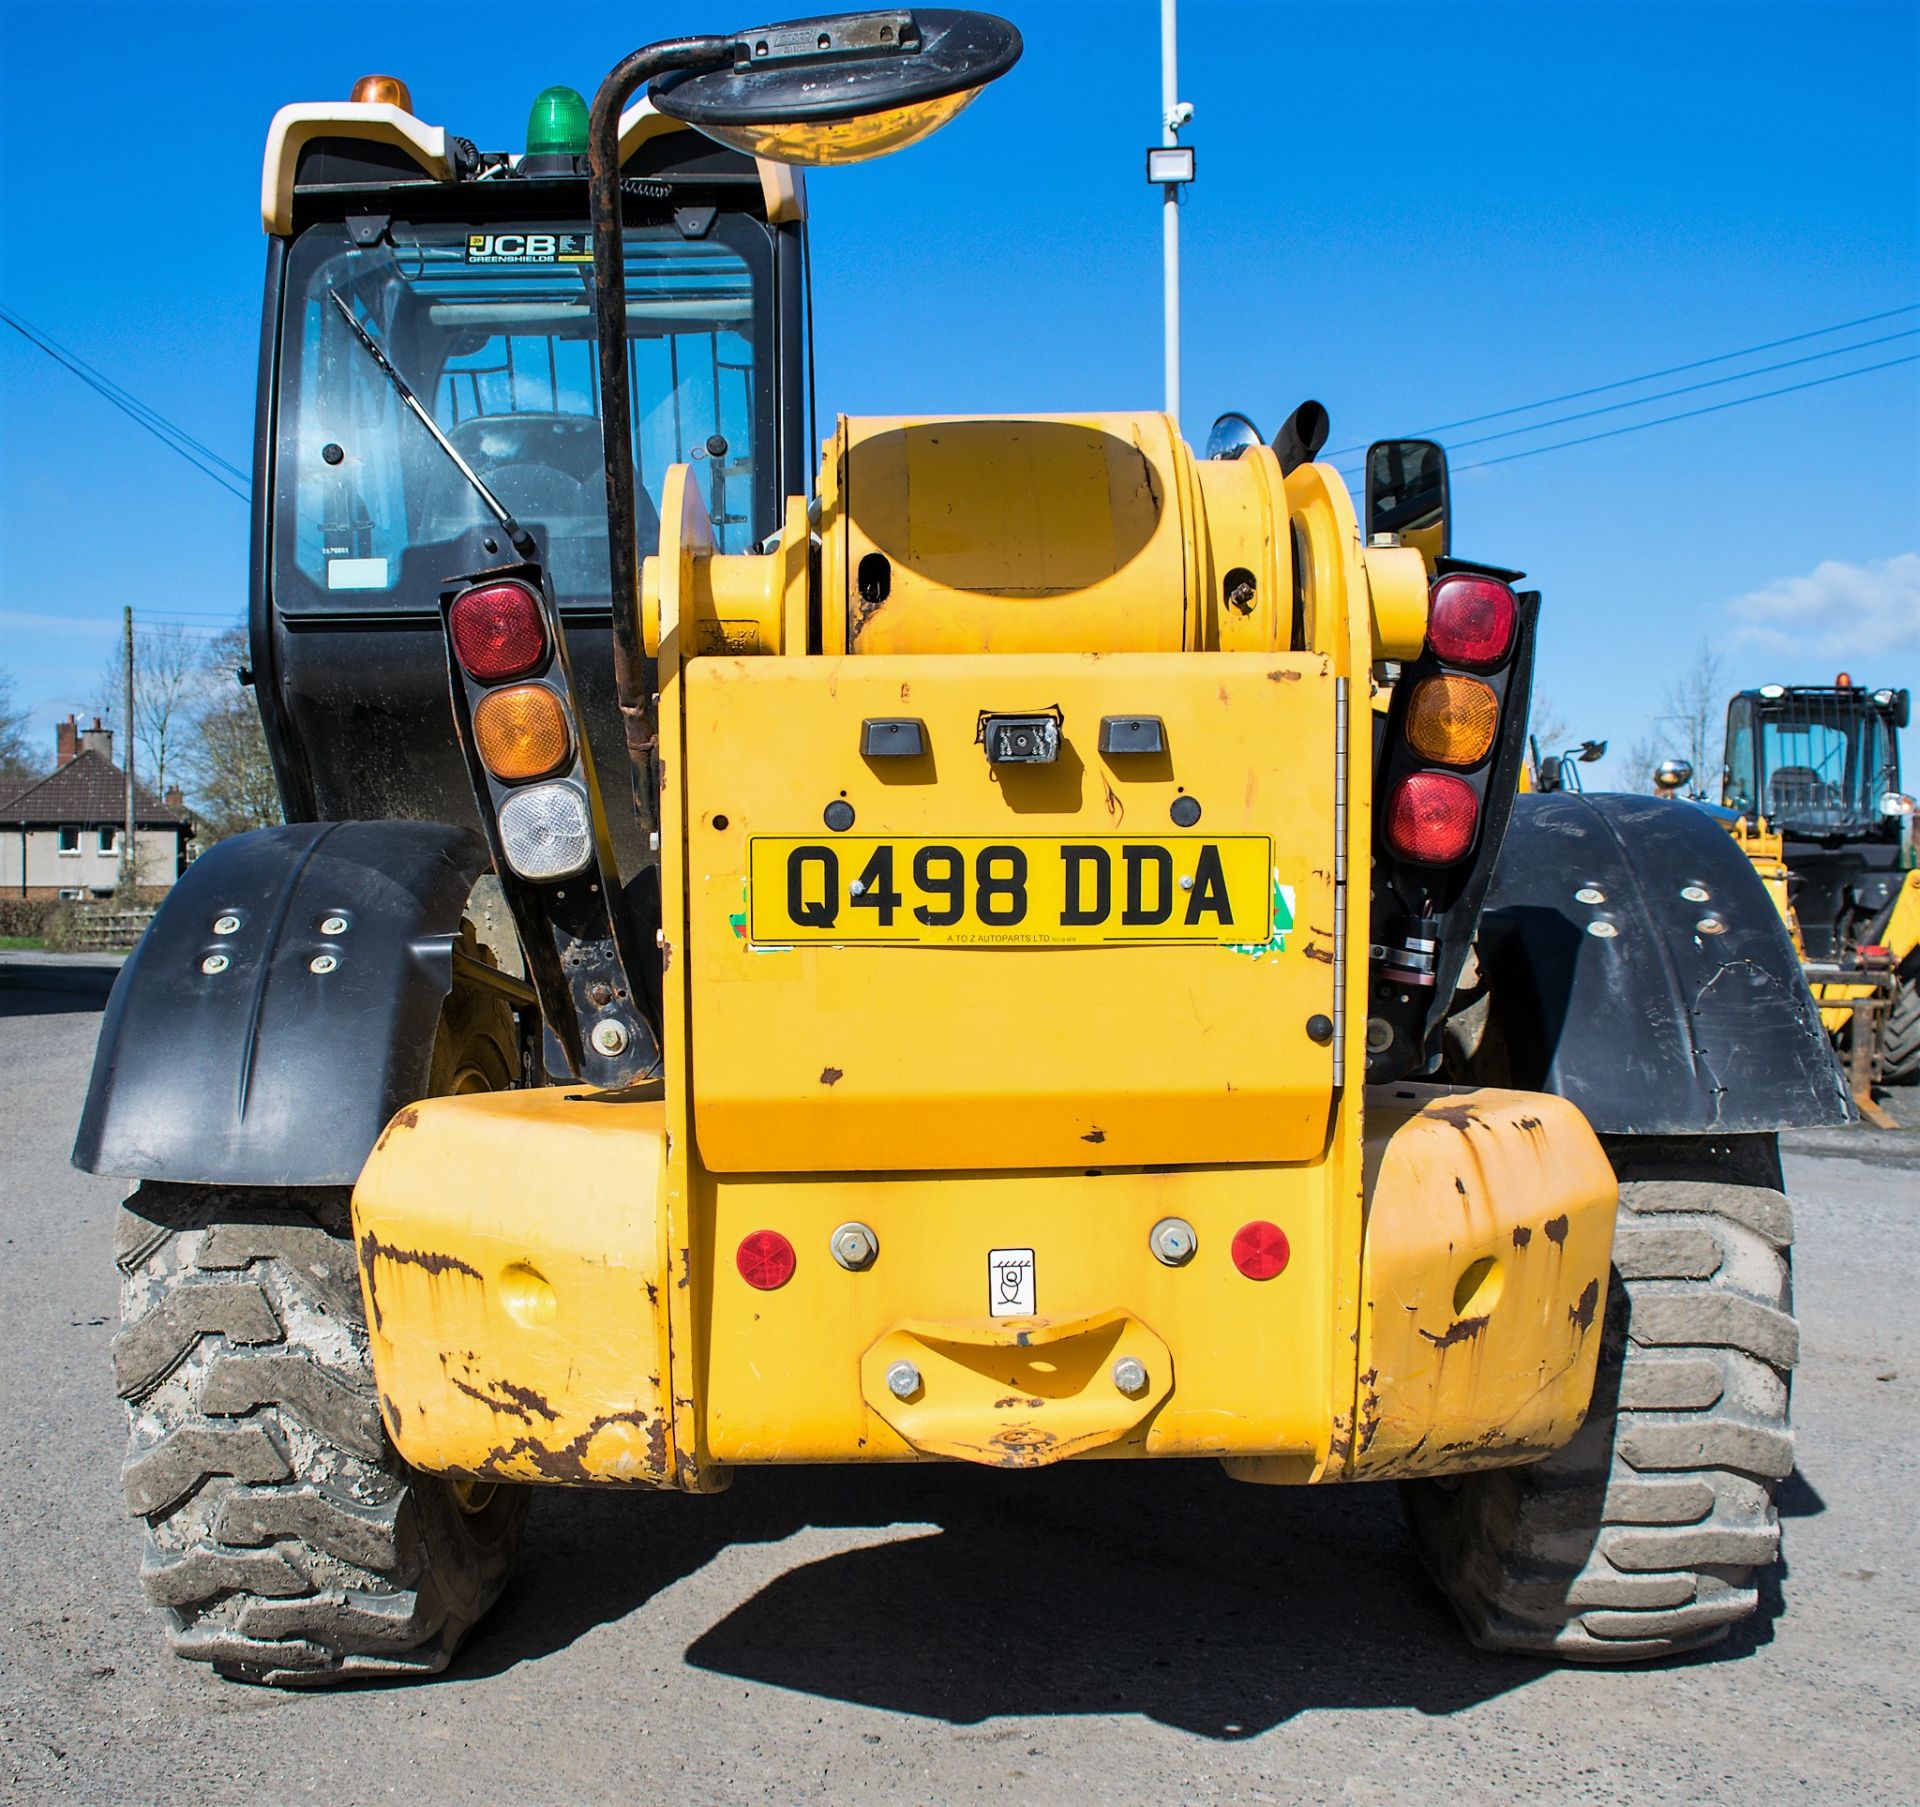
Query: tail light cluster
(522, 727)
(534, 789)
(1449, 726)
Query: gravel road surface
(1109, 1633)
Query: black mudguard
(1657, 1027)
(264, 1072)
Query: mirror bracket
(827, 40)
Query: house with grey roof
(61, 835)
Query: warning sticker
(529, 248)
(1010, 1283)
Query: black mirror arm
(616, 398)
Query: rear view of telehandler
(953, 968)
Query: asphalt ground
(1107, 1633)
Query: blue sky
(1413, 213)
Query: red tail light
(1470, 621)
(765, 1260)
(497, 631)
(1431, 817)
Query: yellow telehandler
(932, 957)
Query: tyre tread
(1643, 1537)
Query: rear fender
(1637, 967)
(245, 1043)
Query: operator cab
(472, 274)
(1819, 764)
(1822, 765)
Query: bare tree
(1693, 712)
(169, 682)
(226, 754)
(1690, 726)
(17, 763)
(1547, 724)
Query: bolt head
(1602, 930)
(903, 1380)
(854, 1246)
(322, 963)
(1694, 893)
(215, 963)
(1379, 1035)
(226, 925)
(1590, 894)
(333, 925)
(1130, 1376)
(1710, 925)
(1173, 1241)
(609, 1037)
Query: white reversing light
(546, 830)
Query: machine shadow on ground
(1165, 1590)
(72, 988)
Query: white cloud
(1838, 611)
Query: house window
(108, 837)
(69, 839)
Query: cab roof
(386, 146)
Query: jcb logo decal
(528, 248)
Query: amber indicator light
(1451, 719)
(522, 732)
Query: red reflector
(1431, 817)
(1260, 1250)
(1470, 621)
(765, 1260)
(497, 631)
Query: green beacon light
(556, 135)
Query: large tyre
(1645, 1537)
(1900, 1035)
(286, 1541)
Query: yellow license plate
(1210, 890)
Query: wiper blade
(521, 538)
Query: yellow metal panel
(1026, 534)
(509, 1258)
(1253, 1365)
(861, 1058)
(1489, 1233)
(1902, 933)
(1247, 582)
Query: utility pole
(1170, 166)
(129, 862)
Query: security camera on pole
(1170, 168)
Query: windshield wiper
(521, 538)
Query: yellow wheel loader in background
(936, 958)
(1812, 788)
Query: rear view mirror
(1406, 495)
(1232, 434)
(841, 89)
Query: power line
(1628, 382)
(113, 390)
(1661, 395)
(1640, 426)
(175, 439)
